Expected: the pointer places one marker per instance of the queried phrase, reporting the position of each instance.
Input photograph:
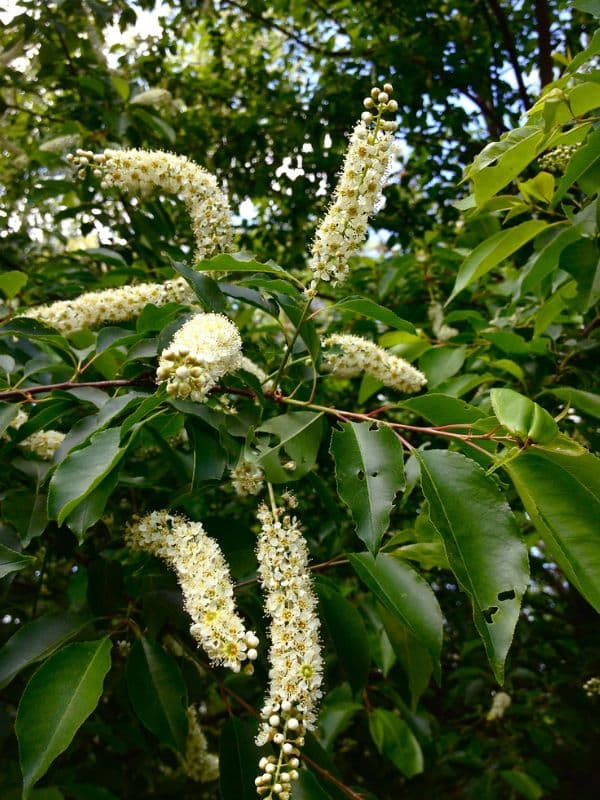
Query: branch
(542, 24)
(509, 44)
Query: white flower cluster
(139, 172)
(344, 228)
(254, 369)
(592, 686)
(205, 348)
(43, 444)
(500, 703)
(350, 356)
(295, 653)
(205, 581)
(246, 478)
(441, 331)
(152, 97)
(198, 764)
(109, 305)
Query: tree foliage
(453, 535)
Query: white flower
(205, 581)
(198, 764)
(43, 444)
(109, 305)
(140, 172)
(151, 97)
(441, 331)
(500, 703)
(204, 349)
(246, 478)
(344, 228)
(295, 653)
(348, 356)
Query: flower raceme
(139, 172)
(92, 309)
(205, 581)
(205, 348)
(344, 228)
(295, 659)
(347, 356)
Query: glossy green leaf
(482, 542)
(395, 740)
(441, 409)
(81, 471)
(206, 289)
(348, 633)
(584, 158)
(11, 282)
(522, 417)
(546, 260)
(524, 785)
(586, 402)
(238, 761)
(581, 259)
(406, 595)
(13, 561)
(158, 692)
(561, 494)
(441, 363)
(37, 640)
(91, 508)
(56, 702)
(308, 787)
(298, 436)
(239, 262)
(26, 511)
(493, 251)
(411, 654)
(368, 308)
(369, 468)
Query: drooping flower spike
(203, 575)
(342, 232)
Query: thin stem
(290, 347)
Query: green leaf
(522, 417)
(238, 761)
(56, 702)
(207, 290)
(493, 251)
(406, 595)
(240, 262)
(12, 282)
(547, 259)
(12, 561)
(369, 468)
(411, 654)
(299, 435)
(441, 409)
(584, 97)
(89, 510)
(81, 471)
(372, 310)
(441, 363)
(584, 158)
(348, 633)
(581, 259)
(395, 740)
(561, 494)
(512, 154)
(482, 543)
(106, 256)
(26, 511)
(158, 692)
(307, 787)
(37, 640)
(522, 783)
(586, 402)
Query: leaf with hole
(369, 470)
(482, 543)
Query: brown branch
(542, 24)
(509, 44)
(30, 391)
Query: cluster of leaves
(439, 587)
